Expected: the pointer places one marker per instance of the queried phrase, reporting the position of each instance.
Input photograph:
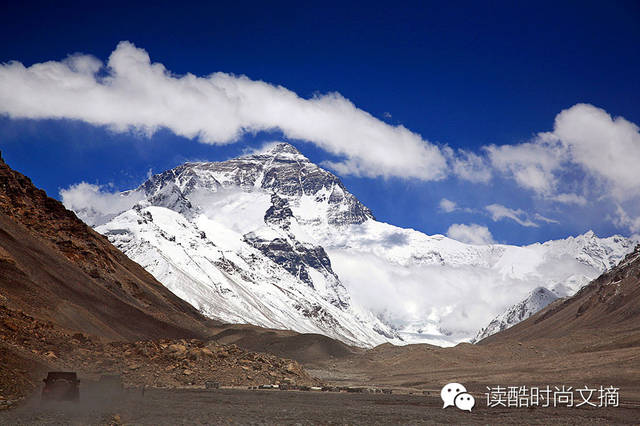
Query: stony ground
(30, 347)
(234, 406)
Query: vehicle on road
(61, 386)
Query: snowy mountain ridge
(537, 300)
(232, 281)
(274, 240)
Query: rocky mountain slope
(274, 240)
(538, 299)
(55, 267)
(590, 251)
(606, 312)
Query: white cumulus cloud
(531, 165)
(589, 156)
(96, 205)
(448, 206)
(470, 234)
(606, 147)
(130, 92)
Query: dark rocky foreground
(234, 406)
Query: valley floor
(235, 406)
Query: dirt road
(234, 406)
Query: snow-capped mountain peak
(316, 194)
(281, 149)
(272, 239)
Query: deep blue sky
(466, 75)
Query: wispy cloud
(468, 166)
(449, 206)
(623, 219)
(568, 198)
(499, 212)
(541, 218)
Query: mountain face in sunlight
(274, 240)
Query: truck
(61, 386)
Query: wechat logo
(454, 394)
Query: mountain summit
(279, 169)
(229, 238)
(274, 240)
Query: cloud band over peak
(131, 92)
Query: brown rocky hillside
(55, 267)
(608, 309)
